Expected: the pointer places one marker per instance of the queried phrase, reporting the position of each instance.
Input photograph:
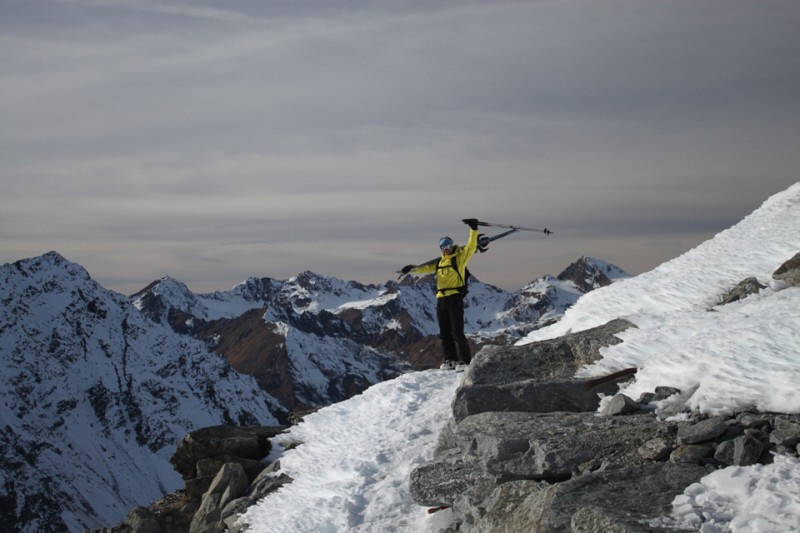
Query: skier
(451, 287)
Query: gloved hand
(471, 222)
(483, 243)
(406, 269)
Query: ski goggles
(445, 242)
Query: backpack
(463, 289)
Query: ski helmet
(445, 242)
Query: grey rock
(245, 442)
(646, 398)
(229, 484)
(143, 520)
(691, 453)
(733, 430)
(789, 272)
(656, 449)
(625, 498)
(531, 396)
(270, 479)
(785, 437)
(662, 393)
(724, 453)
(620, 405)
(679, 404)
(541, 446)
(502, 502)
(786, 433)
(702, 431)
(521, 455)
(443, 482)
(209, 466)
(747, 450)
(537, 377)
(545, 360)
(597, 519)
(751, 420)
(742, 290)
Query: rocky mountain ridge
(95, 397)
(526, 449)
(313, 340)
(99, 387)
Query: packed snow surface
(752, 499)
(351, 470)
(351, 473)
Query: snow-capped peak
(95, 397)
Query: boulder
(691, 453)
(656, 449)
(442, 482)
(703, 431)
(489, 449)
(742, 290)
(678, 405)
(789, 272)
(269, 480)
(532, 396)
(537, 377)
(620, 500)
(251, 442)
(620, 405)
(747, 450)
(786, 433)
(143, 520)
(229, 483)
(544, 360)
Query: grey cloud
(262, 138)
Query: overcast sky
(213, 141)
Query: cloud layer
(148, 138)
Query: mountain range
(98, 387)
(313, 340)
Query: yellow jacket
(449, 280)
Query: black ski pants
(450, 314)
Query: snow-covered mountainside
(737, 357)
(314, 340)
(98, 388)
(95, 397)
(678, 304)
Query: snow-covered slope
(95, 398)
(738, 354)
(352, 466)
(744, 354)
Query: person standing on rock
(451, 287)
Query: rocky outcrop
(527, 450)
(789, 272)
(270, 329)
(202, 453)
(743, 289)
(78, 360)
(536, 377)
(225, 471)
